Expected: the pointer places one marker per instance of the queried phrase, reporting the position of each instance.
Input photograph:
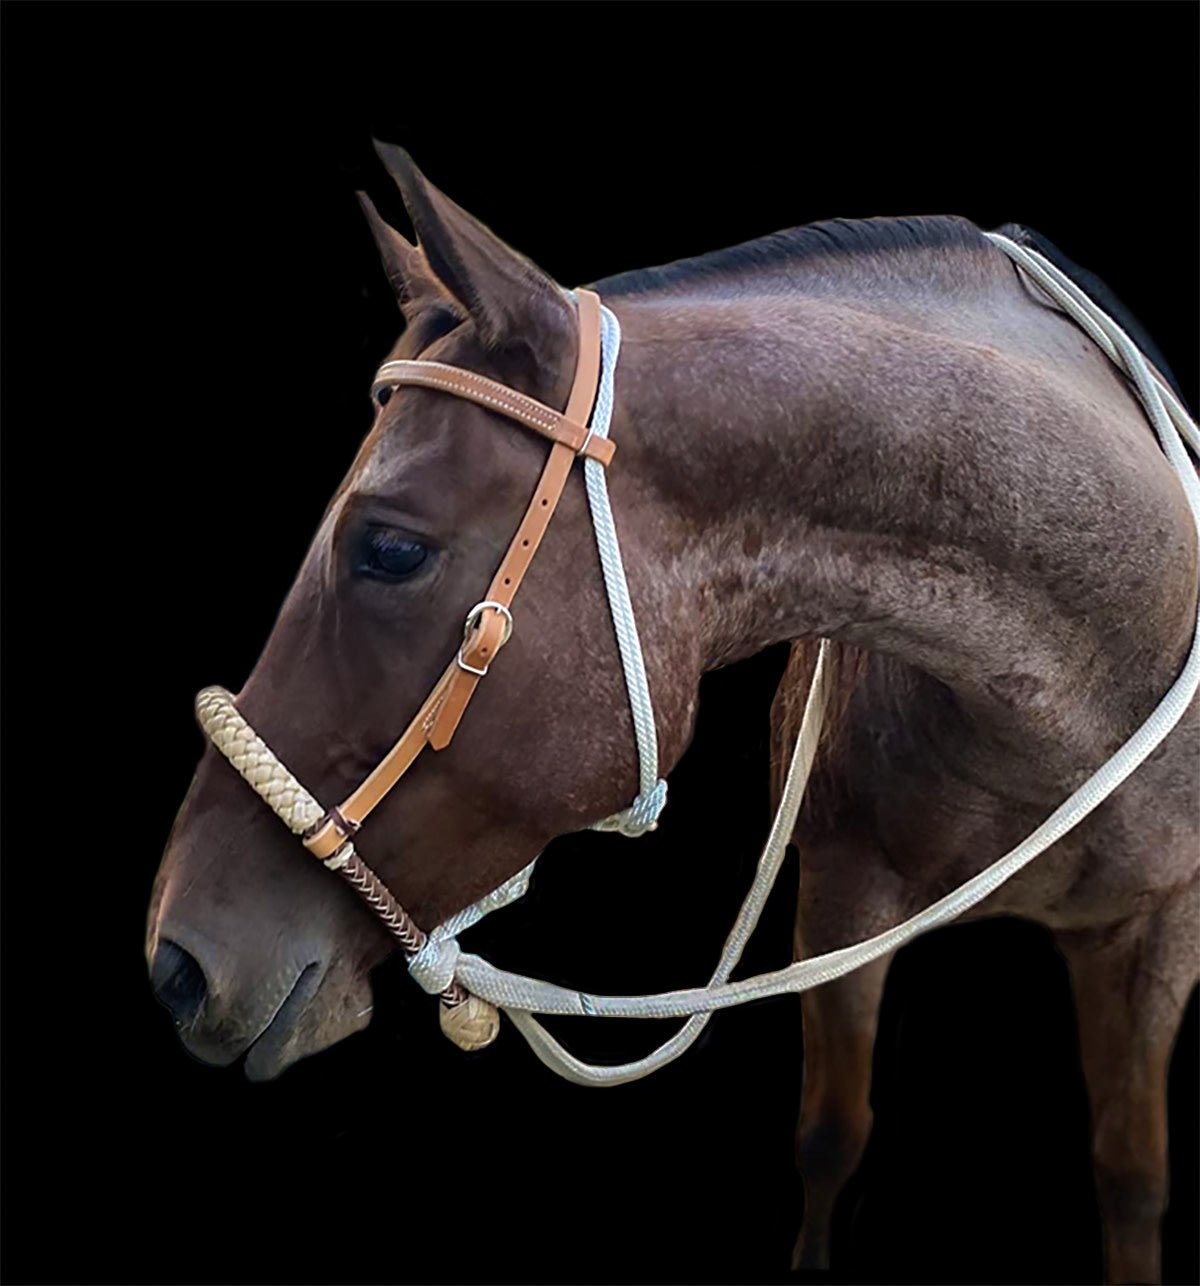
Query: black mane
(834, 238)
(841, 238)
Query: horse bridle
(487, 628)
(470, 987)
(489, 623)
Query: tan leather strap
(489, 623)
(529, 535)
(558, 426)
(332, 831)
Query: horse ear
(510, 300)
(407, 269)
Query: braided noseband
(470, 1022)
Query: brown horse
(874, 432)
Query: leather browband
(555, 425)
(489, 624)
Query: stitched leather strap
(558, 426)
(490, 623)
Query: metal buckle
(469, 624)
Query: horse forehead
(438, 439)
(398, 447)
(423, 427)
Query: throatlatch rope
(642, 815)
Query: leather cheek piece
(490, 622)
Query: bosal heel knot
(474, 1024)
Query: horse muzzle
(468, 1021)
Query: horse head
(250, 944)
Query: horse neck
(905, 468)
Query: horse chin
(315, 1015)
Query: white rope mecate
(440, 963)
(522, 997)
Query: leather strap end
(458, 695)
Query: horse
(870, 432)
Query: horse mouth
(271, 1051)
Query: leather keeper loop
(329, 834)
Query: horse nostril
(178, 981)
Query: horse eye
(387, 554)
(383, 395)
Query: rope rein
(473, 990)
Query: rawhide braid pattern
(262, 770)
(223, 725)
(472, 1025)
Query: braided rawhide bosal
(471, 1023)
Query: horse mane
(844, 239)
(830, 239)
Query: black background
(194, 310)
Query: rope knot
(641, 816)
(644, 811)
(433, 966)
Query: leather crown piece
(489, 623)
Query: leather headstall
(489, 623)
